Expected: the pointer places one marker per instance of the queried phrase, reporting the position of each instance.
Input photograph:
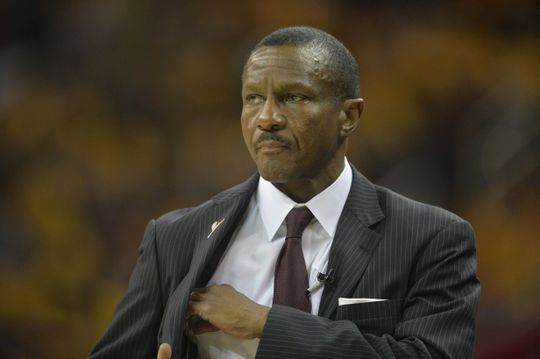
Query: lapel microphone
(326, 278)
(322, 279)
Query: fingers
(204, 304)
(204, 327)
(196, 299)
(221, 307)
(195, 296)
(198, 309)
(164, 352)
(200, 290)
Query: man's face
(290, 115)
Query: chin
(272, 178)
(273, 174)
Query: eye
(295, 98)
(254, 99)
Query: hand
(225, 309)
(164, 352)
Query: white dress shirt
(249, 262)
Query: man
(387, 276)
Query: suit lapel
(354, 242)
(213, 242)
(215, 227)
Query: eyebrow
(281, 86)
(287, 85)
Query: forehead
(285, 63)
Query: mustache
(272, 136)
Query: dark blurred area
(113, 112)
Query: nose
(270, 118)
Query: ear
(350, 114)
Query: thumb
(164, 352)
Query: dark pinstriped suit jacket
(420, 257)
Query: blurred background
(113, 112)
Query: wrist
(260, 321)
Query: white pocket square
(348, 301)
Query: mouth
(270, 147)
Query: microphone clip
(326, 278)
(322, 279)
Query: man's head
(300, 103)
(330, 52)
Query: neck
(303, 189)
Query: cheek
(316, 126)
(247, 130)
(247, 119)
(318, 135)
(244, 120)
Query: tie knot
(297, 220)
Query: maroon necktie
(291, 278)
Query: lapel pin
(215, 225)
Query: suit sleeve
(436, 320)
(135, 324)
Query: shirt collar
(325, 206)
